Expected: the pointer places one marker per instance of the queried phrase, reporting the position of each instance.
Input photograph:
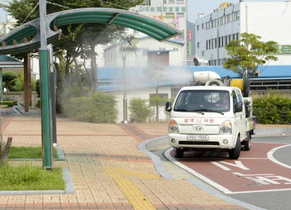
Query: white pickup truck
(214, 118)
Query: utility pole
(44, 81)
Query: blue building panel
(111, 79)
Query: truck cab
(210, 118)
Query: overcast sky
(208, 6)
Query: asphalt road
(272, 200)
(269, 157)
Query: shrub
(97, 108)
(272, 109)
(8, 103)
(139, 110)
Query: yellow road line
(134, 195)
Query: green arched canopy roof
(15, 41)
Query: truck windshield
(206, 100)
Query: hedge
(8, 103)
(272, 109)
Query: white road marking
(271, 157)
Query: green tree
(9, 80)
(73, 43)
(247, 54)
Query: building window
(224, 20)
(169, 15)
(221, 21)
(146, 2)
(202, 26)
(198, 45)
(182, 35)
(180, 1)
(180, 14)
(231, 17)
(197, 27)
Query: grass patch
(28, 152)
(28, 177)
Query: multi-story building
(269, 20)
(172, 12)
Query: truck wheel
(179, 153)
(235, 152)
(247, 142)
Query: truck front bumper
(222, 141)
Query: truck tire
(247, 142)
(235, 152)
(179, 153)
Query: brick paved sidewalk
(107, 169)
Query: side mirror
(238, 107)
(168, 106)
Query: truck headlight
(226, 127)
(173, 127)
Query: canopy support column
(27, 83)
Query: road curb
(272, 131)
(147, 145)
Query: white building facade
(269, 20)
(138, 55)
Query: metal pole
(45, 96)
(124, 86)
(1, 86)
(53, 97)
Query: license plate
(197, 137)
